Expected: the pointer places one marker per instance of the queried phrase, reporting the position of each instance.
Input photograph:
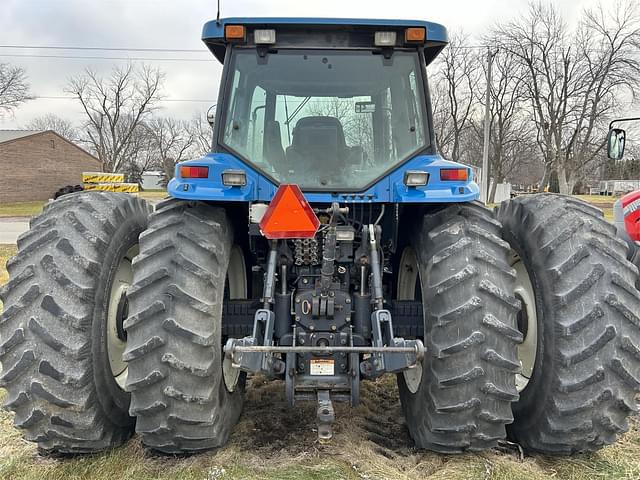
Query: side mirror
(615, 143)
(211, 115)
(365, 107)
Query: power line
(59, 97)
(110, 49)
(78, 57)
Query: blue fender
(388, 189)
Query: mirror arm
(630, 119)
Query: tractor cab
(321, 107)
(329, 105)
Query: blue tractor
(322, 242)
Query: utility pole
(484, 192)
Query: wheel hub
(236, 288)
(408, 289)
(117, 312)
(527, 323)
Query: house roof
(8, 135)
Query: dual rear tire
(75, 307)
(551, 305)
(581, 349)
(59, 343)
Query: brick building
(35, 164)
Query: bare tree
(608, 42)
(142, 154)
(455, 84)
(61, 126)
(512, 141)
(115, 107)
(173, 142)
(573, 78)
(14, 88)
(539, 41)
(202, 133)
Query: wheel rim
(117, 312)
(527, 323)
(237, 290)
(413, 378)
(408, 275)
(408, 278)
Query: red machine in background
(626, 213)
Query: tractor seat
(317, 140)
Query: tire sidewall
(114, 400)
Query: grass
(20, 209)
(151, 195)
(272, 442)
(599, 201)
(29, 209)
(6, 252)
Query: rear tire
(587, 365)
(54, 345)
(462, 400)
(174, 349)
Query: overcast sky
(177, 24)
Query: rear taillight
(454, 174)
(194, 172)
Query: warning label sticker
(322, 366)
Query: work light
(415, 178)
(234, 178)
(264, 37)
(385, 39)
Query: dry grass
(272, 442)
(29, 209)
(597, 199)
(20, 209)
(153, 195)
(6, 252)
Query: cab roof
(213, 31)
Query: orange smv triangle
(289, 215)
